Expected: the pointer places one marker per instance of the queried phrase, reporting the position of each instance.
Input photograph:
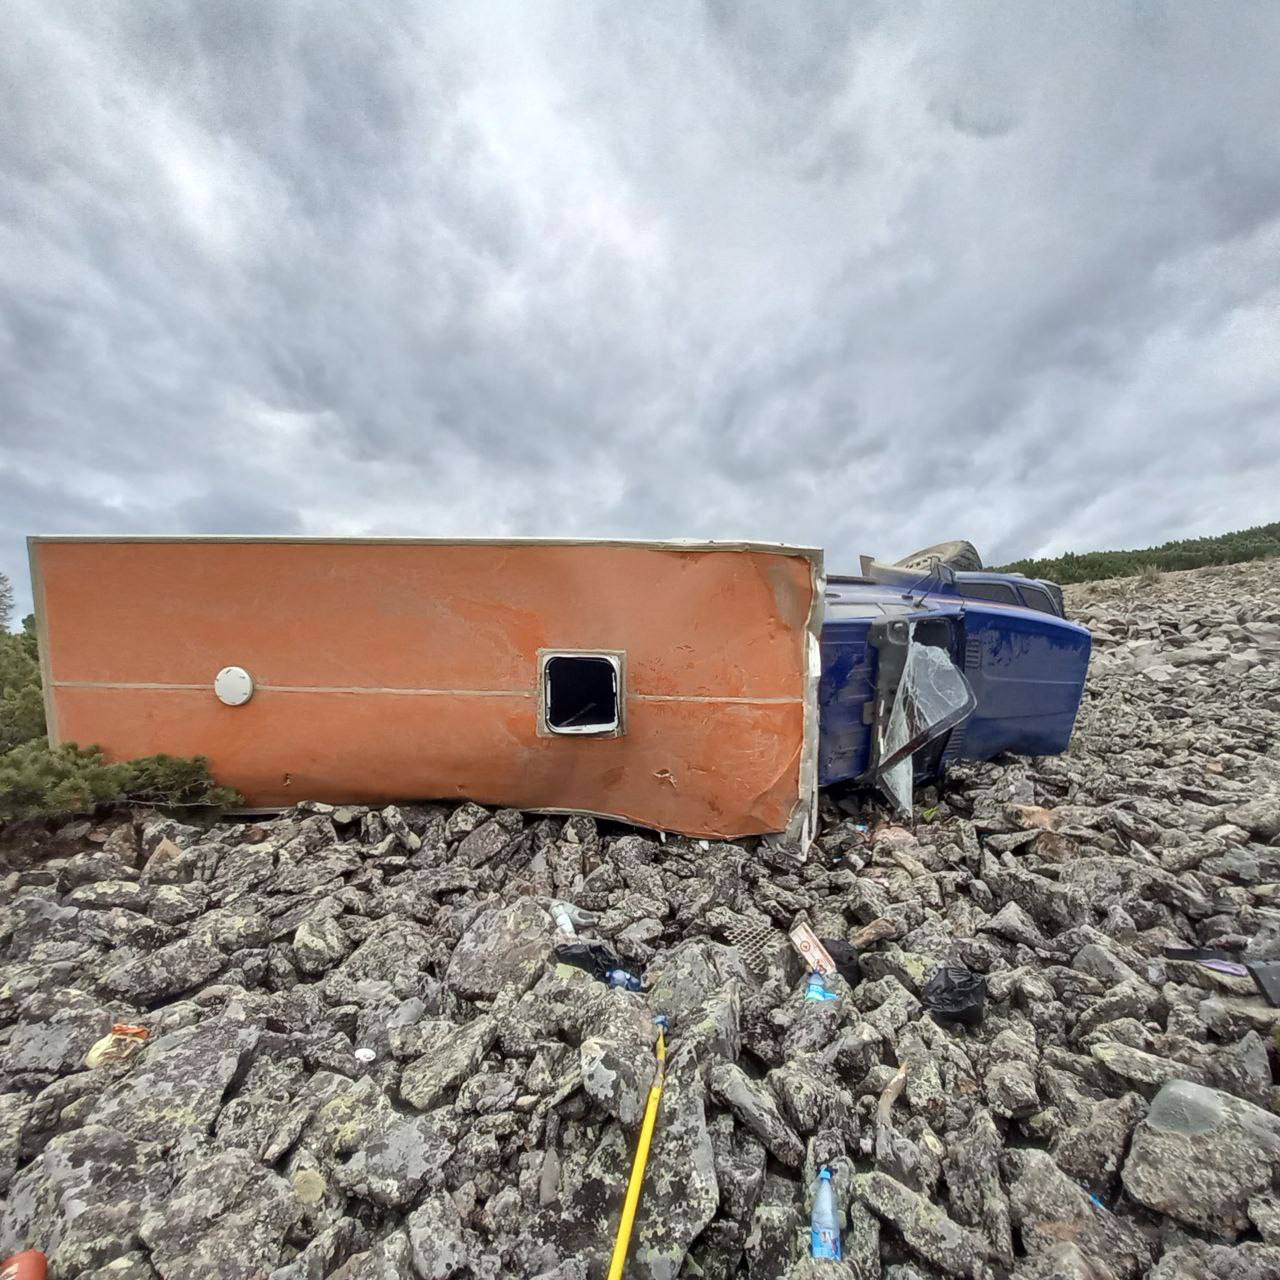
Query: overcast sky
(864, 276)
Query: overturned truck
(707, 688)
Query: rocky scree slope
(363, 1061)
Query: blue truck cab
(922, 668)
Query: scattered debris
(122, 1041)
(810, 949)
(955, 994)
(824, 1222)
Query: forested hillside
(1186, 553)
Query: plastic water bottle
(824, 1225)
(817, 988)
(621, 978)
(562, 914)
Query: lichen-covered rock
(1260, 816)
(681, 980)
(811, 1098)
(81, 1200)
(1010, 1087)
(177, 903)
(455, 1053)
(168, 862)
(1200, 1155)
(740, 1165)
(714, 1027)
(175, 1089)
(754, 1106)
(15, 1114)
(325, 1252)
(617, 1073)
(1091, 1150)
(774, 1241)
(55, 1031)
(1200, 1261)
(102, 894)
(180, 967)
(1062, 1261)
(925, 1228)
(318, 944)
(226, 1220)
(131, 1266)
(972, 1172)
(491, 838)
(437, 1238)
(390, 1258)
(395, 949)
(886, 1005)
(1046, 1207)
(394, 1163)
(508, 947)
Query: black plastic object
(846, 957)
(1200, 954)
(1266, 977)
(592, 957)
(956, 994)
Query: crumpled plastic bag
(592, 957)
(845, 956)
(956, 994)
(118, 1045)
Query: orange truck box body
(401, 669)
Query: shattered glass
(932, 698)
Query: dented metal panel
(389, 669)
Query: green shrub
(39, 781)
(21, 701)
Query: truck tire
(955, 555)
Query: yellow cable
(623, 1241)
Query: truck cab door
(1027, 671)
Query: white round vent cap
(233, 685)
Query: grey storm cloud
(862, 276)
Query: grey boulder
(1200, 1155)
(436, 1238)
(754, 1106)
(181, 966)
(455, 1054)
(397, 1161)
(226, 1220)
(80, 1200)
(176, 1089)
(506, 947)
(318, 944)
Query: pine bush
(21, 701)
(39, 781)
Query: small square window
(581, 693)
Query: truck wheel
(955, 555)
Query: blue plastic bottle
(824, 1225)
(621, 978)
(817, 988)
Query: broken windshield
(931, 699)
